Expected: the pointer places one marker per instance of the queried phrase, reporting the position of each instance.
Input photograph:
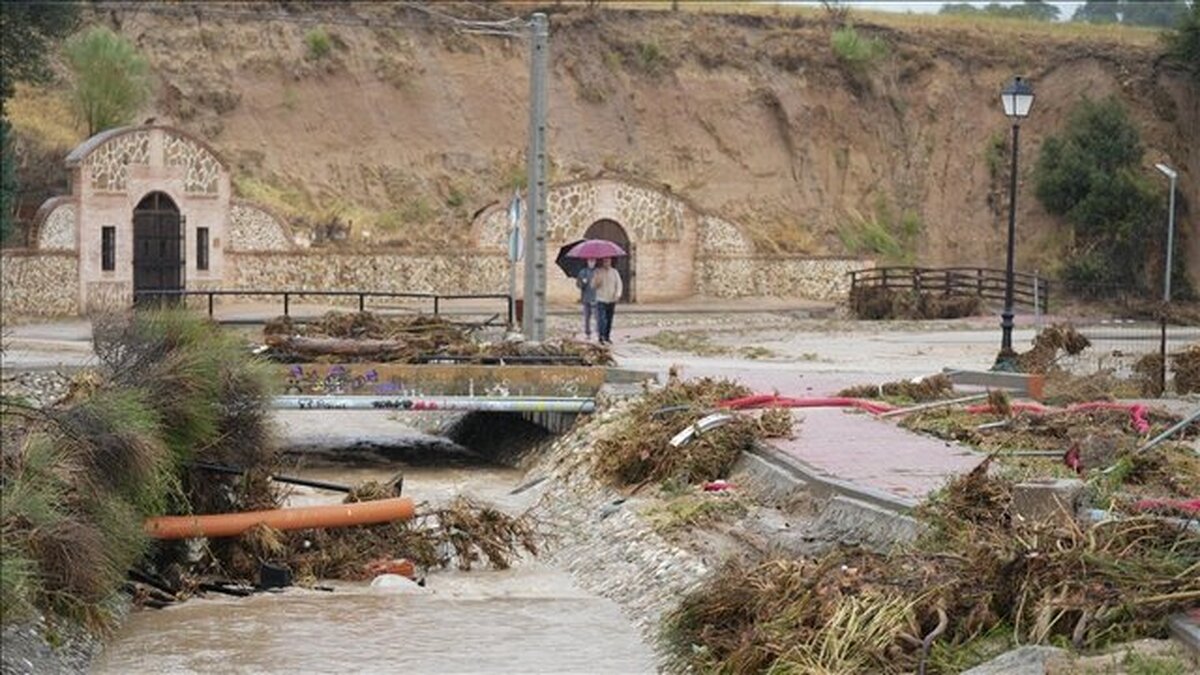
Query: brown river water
(529, 619)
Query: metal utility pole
(533, 319)
(1171, 175)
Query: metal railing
(437, 298)
(1029, 290)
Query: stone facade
(56, 232)
(107, 166)
(254, 229)
(39, 284)
(379, 271)
(202, 169)
(719, 237)
(774, 276)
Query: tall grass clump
(860, 54)
(79, 478)
(318, 43)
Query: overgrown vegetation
(980, 577)
(1032, 10)
(904, 392)
(110, 79)
(318, 44)
(80, 477)
(1183, 44)
(860, 54)
(1091, 174)
(890, 237)
(8, 182)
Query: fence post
(1162, 352)
(210, 304)
(361, 303)
(436, 298)
(286, 303)
(1037, 300)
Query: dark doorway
(612, 231)
(157, 249)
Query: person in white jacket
(607, 282)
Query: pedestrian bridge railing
(438, 300)
(1029, 290)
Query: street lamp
(1172, 175)
(1017, 98)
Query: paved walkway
(874, 453)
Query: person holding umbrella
(605, 284)
(608, 286)
(587, 296)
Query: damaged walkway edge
(850, 513)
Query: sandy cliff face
(408, 130)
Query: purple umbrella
(595, 248)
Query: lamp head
(1017, 98)
(1168, 171)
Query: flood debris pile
(904, 392)
(461, 534)
(1098, 443)
(1186, 366)
(879, 302)
(979, 580)
(639, 451)
(341, 337)
(81, 476)
(1043, 357)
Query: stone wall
(252, 228)
(376, 271)
(776, 276)
(57, 230)
(108, 166)
(39, 283)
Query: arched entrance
(612, 231)
(157, 246)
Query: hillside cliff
(406, 127)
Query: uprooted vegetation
(461, 534)
(1044, 355)
(878, 303)
(345, 337)
(1099, 443)
(639, 451)
(80, 477)
(979, 580)
(903, 392)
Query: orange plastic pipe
(300, 518)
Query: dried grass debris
(1186, 367)
(1043, 357)
(932, 388)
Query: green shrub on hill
(859, 53)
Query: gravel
(41, 388)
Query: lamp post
(1162, 344)
(1017, 98)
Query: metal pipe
(462, 403)
(1172, 431)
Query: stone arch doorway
(157, 247)
(611, 230)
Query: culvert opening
(500, 438)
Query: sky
(1066, 7)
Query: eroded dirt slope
(408, 129)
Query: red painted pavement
(863, 450)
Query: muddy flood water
(529, 619)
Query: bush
(1091, 175)
(110, 78)
(859, 53)
(8, 182)
(1183, 44)
(77, 486)
(319, 44)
